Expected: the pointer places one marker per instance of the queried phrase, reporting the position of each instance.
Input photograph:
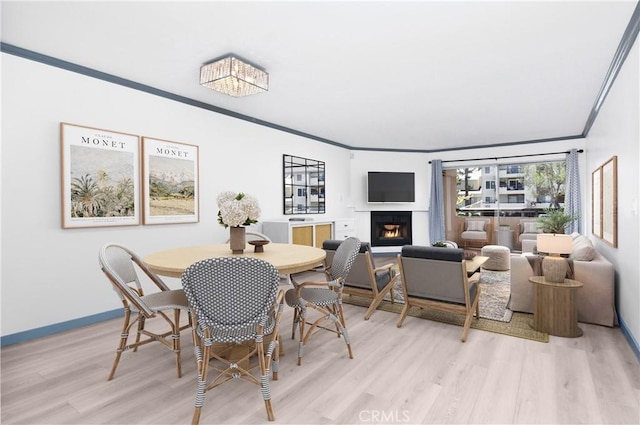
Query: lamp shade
(552, 243)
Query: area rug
(495, 290)
(517, 327)
(495, 317)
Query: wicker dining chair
(235, 303)
(119, 264)
(323, 297)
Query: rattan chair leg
(195, 420)
(139, 333)
(114, 366)
(202, 357)
(296, 320)
(124, 336)
(176, 340)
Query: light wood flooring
(420, 373)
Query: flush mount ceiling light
(233, 76)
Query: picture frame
(605, 202)
(596, 203)
(100, 177)
(170, 182)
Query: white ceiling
(419, 75)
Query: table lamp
(554, 267)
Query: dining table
(286, 258)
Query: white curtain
(436, 204)
(572, 204)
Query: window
(525, 189)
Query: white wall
(364, 161)
(51, 275)
(616, 131)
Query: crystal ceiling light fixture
(233, 76)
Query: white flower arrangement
(237, 209)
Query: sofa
(596, 299)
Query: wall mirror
(303, 185)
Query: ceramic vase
(237, 239)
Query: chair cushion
(382, 279)
(476, 225)
(433, 253)
(317, 296)
(531, 227)
(480, 236)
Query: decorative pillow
(585, 253)
(583, 249)
(531, 227)
(475, 225)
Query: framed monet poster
(170, 182)
(100, 177)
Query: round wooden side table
(555, 307)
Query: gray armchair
(437, 278)
(364, 278)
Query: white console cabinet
(344, 228)
(310, 233)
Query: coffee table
(475, 263)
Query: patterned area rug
(495, 290)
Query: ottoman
(498, 257)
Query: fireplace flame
(391, 231)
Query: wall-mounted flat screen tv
(384, 186)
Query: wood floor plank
(420, 371)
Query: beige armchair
(528, 230)
(476, 231)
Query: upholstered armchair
(364, 278)
(475, 231)
(437, 278)
(528, 230)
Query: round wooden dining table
(287, 258)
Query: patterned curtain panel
(436, 204)
(572, 204)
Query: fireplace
(390, 228)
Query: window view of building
(524, 190)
